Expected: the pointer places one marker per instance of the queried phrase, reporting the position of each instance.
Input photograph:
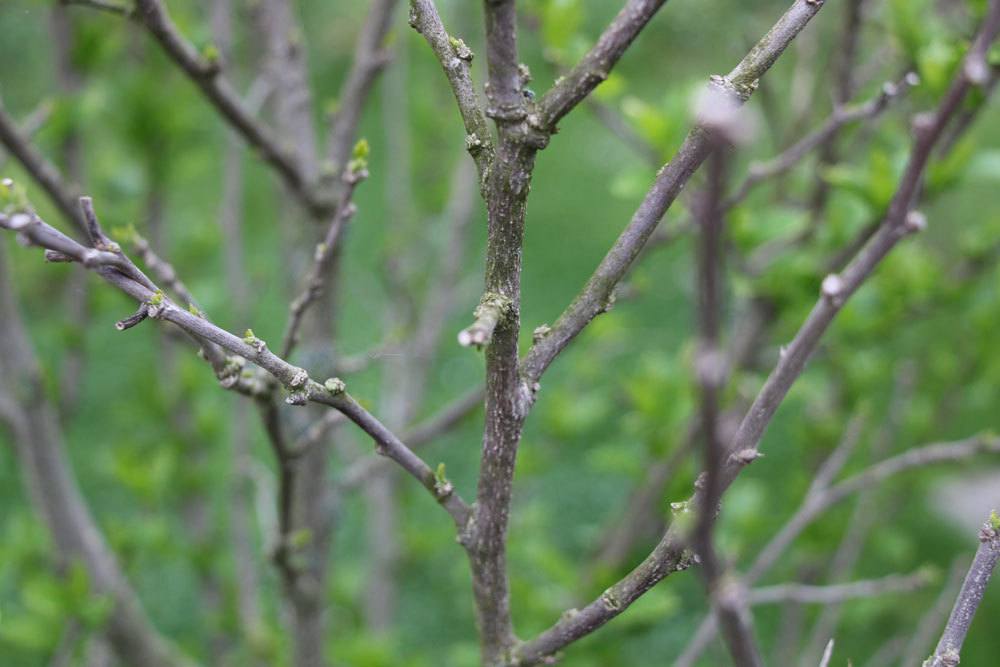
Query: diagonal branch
(41, 169)
(597, 293)
(324, 257)
(671, 553)
(759, 172)
(370, 57)
(204, 71)
(947, 653)
(456, 60)
(115, 268)
(573, 87)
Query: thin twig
(573, 87)
(205, 73)
(759, 172)
(325, 252)
(594, 298)
(416, 436)
(456, 60)
(836, 593)
(117, 270)
(922, 638)
(41, 169)
(949, 647)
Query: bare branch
(727, 594)
(417, 436)
(573, 87)
(919, 643)
(837, 593)
(325, 252)
(670, 554)
(159, 267)
(205, 73)
(116, 269)
(490, 312)
(949, 647)
(595, 296)
(31, 124)
(43, 171)
(370, 57)
(900, 221)
(841, 116)
(456, 58)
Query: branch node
(462, 51)
(540, 332)
(256, 343)
(299, 379)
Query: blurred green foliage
(619, 399)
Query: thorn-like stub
(745, 457)
(832, 289)
(492, 309)
(471, 337)
(977, 71)
(915, 222)
(133, 320)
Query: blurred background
(155, 443)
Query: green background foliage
(617, 400)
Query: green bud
(335, 386)
(156, 299)
(361, 149)
(300, 539)
(210, 53)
